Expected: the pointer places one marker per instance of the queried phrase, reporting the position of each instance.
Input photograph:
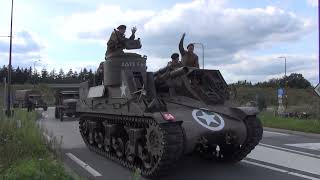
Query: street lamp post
(202, 46)
(285, 80)
(285, 65)
(9, 113)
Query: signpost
(280, 100)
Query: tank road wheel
(164, 146)
(130, 156)
(231, 154)
(118, 145)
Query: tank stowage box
(149, 120)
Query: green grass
(295, 124)
(24, 152)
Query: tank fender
(245, 111)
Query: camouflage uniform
(188, 58)
(116, 43)
(173, 65)
(100, 74)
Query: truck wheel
(61, 115)
(56, 113)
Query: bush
(23, 150)
(36, 169)
(19, 143)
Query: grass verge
(24, 152)
(295, 124)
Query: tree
(297, 81)
(44, 75)
(61, 74)
(52, 75)
(69, 74)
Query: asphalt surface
(279, 156)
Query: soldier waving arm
(181, 49)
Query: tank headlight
(168, 117)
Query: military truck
(66, 104)
(22, 96)
(148, 120)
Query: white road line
(92, 171)
(276, 133)
(312, 146)
(280, 170)
(286, 159)
(265, 166)
(290, 150)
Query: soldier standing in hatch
(189, 58)
(100, 75)
(117, 40)
(174, 63)
(29, 104)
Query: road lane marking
(312, 146)
(271, 133)
(290, 150)
(286, 159)
(280, 170)
(85, 166)
(265, 166)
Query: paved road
(279, 156)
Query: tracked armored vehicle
(149, 120)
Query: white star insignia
(123, 88)
(208, 118)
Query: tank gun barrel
(163, 74)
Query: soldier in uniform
(29, 104)
(116, 42)
(174, 63)
(189, 58)
(99, 75)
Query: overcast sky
(242, 38)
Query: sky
(242, 38)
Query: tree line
(21, 75)
(294, 80)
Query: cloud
(229, 35)
(26, 48)
(261, 68)
(313, 3)
(223, 30)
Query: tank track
(172, 141)
(232, 154)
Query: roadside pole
(4, 92)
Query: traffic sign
(317, 89)
(280, 92)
